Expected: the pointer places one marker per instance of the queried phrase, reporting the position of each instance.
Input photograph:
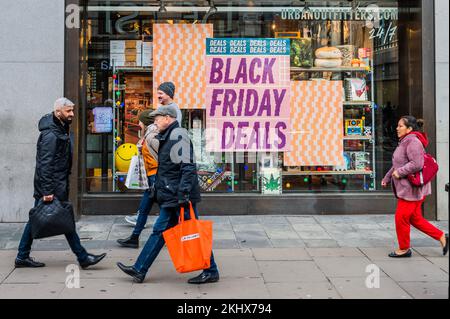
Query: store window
(337, 68)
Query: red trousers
(410, 213)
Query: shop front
(291, 105)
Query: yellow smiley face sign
(124, 154)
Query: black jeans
(72, 238)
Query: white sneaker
(131, 220)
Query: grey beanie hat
(168, 88)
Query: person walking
(408, 158)
(51, 179)
(165, 94)
(148, 147)
(176, 185)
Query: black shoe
(130, 242)
(92, 260)
(395, 255)
(445, 248)
(28, 262)
(204, 277)
(131, 271)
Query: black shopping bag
(49, 219)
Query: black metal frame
(422, 103)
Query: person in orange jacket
(148, 146)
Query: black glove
(184, 202)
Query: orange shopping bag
(190, 243)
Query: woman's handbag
(53, 218)
(426, 174)
(190, 243)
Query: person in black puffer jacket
(176, 185)
(51, 179)
(53, 159)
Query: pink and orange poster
(179, 57)
(317, 121)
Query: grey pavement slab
(412, 270)
(430, 251)
(306, 235)
(302, 290)
(381, 253)
(356, 288)
(286, 243)
(326, 243)
(281, 234)
(273, 220)
(426, 290)
(248, 227)
(247, 267)
(226, 244)
(302, 220)
(31, 291)
(334, 252)
(344, 266)
(308, 227)
(255, 243)
(99, 288)
(291, 271)
(224, 234)
(170, 290)
(250, 288)
(441, 262)
(280, 254)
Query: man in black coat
(51, 179)
(176, 185)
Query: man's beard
(67, 121)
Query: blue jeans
(72, 238)
(168, 217)
(144, 207)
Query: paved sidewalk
(258, 256)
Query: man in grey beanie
(165, 93)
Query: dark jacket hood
(51, 122)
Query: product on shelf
(328, 57)
(364, 55)
(360, 160)
(328, 53)
(328, 63)
(354, 127)
(367, 130)
(356, 63)
(348, 53)
(355, 89)
(347, 164)
(301, 53)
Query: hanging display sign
(103, 118)
(247, 94)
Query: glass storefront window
(342, 135)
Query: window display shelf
(134, 69)
(357, 103)
(303, 173)
(319, 69)
(357, 138)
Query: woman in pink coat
(408, 158)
